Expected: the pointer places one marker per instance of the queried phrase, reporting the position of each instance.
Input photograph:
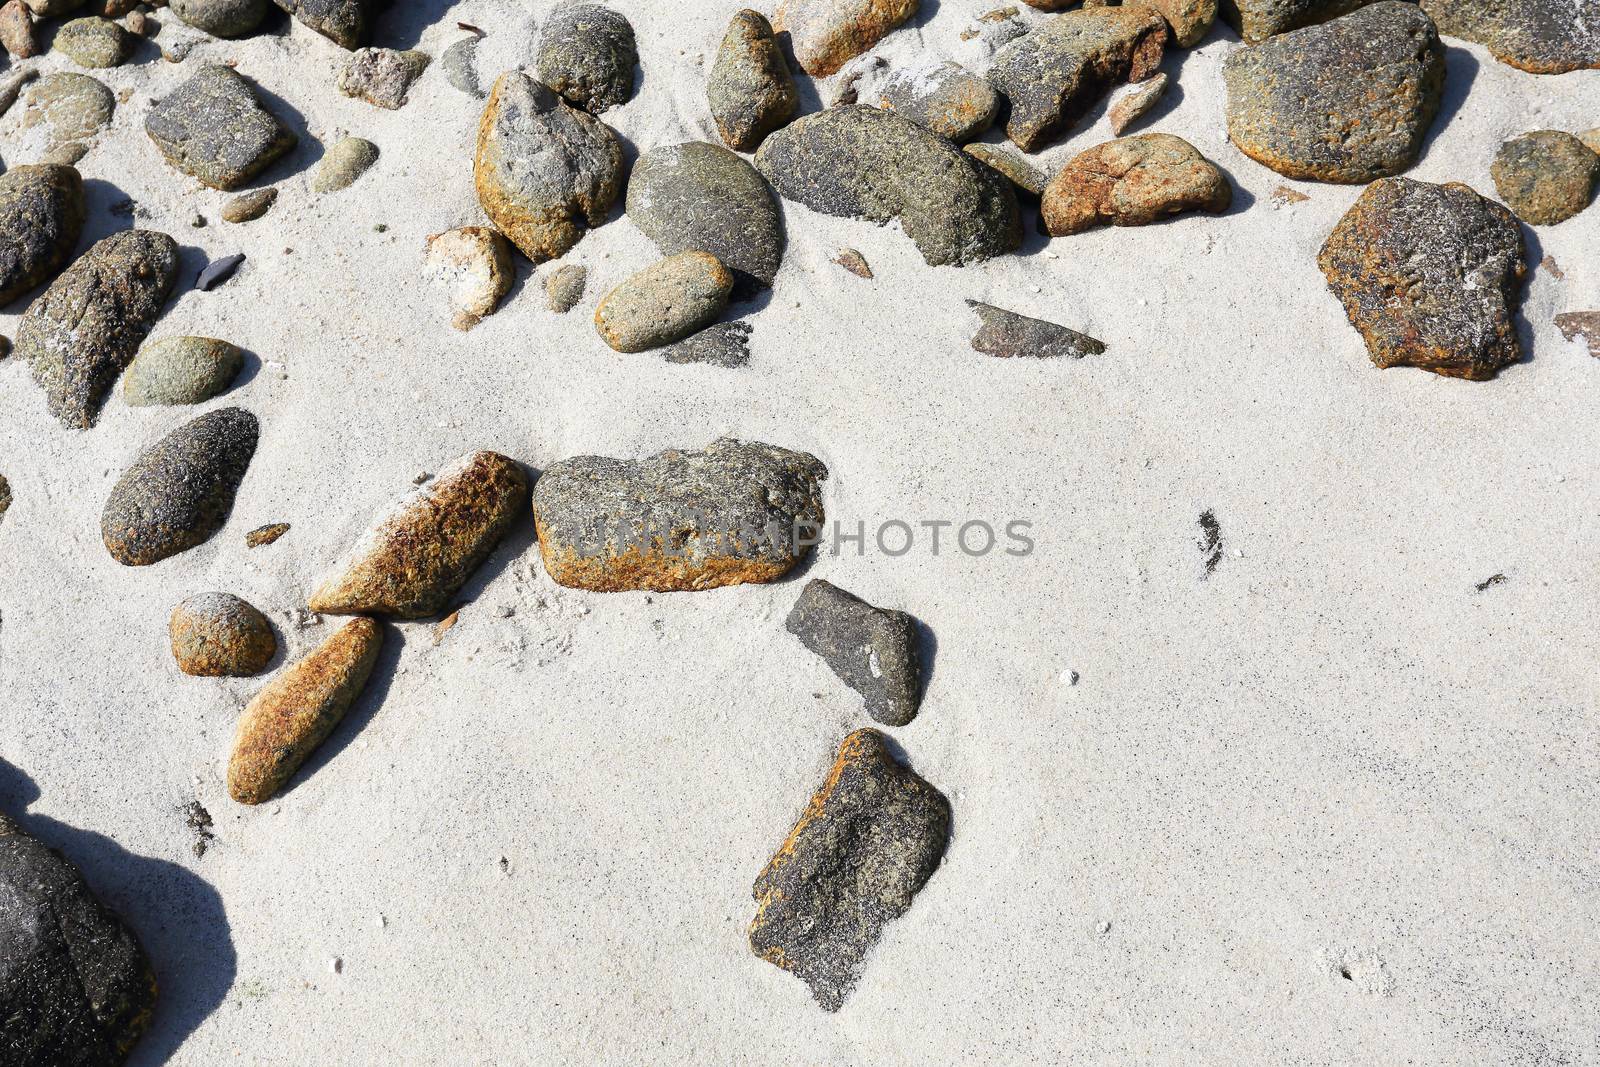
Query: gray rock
(344, 22)
(1022, 174)
(702, 196)
(827, 34)
(1134, 101)
(564, 288)
(179, 491)
(221, 18)
(750, 89)
(218, 635)
(81, 332)
(73, 107)
(1345, 101)
(861, 850)
(460, 65)
(247, 207)
(734, 512)
(545, 172)
(1057, 73)
(857, 161)
(943, 97)
(212, 127)
(1540, 36)
(1256, 20)
(78, 988)
(92, 42)
(217, 271)
(382, 76)
(665, 302)
(587, 54)
(722, 344)
(343, 164)
(1546, 176)
(872, 650)
(16, 30)
(181, 370)
(1431, 275)
(41, 216)
(1011, 336)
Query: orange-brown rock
(827, 34)
(1133, 181)
(218, 635)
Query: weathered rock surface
(73, 108)
(545, 171)
(1574, 326)
(872, 650)
(564, 287)
(218, 635)
(344, 22)
(179, 492)
(1188, 20)
(262, 536)
(1256, 20)
(826, 34)
(702, 196)
(1591, 138)
(1133, 181)
(587, 54)
(1011, 336)
(92, 42)
(81, 332)
(750, 89)
(212, 127)
(49, 9)
(221, 18)
(5, 496)
(425, 544)
(247, 207)
(943, 97)
(1054, 75)
(1133, 102)
(1539, 36)
(77, 987)
(298, 709)
(1431, 276)
(345, 162)
(41, 217)
(665, 302)
(857, 161)
(865, 845)
(16, 30)
(1018, 171)
(1545, 176)
(474, 262)
(460, 65)
(722, 344)
(181, 370)
(731, 513)
(382, 76)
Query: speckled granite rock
(1574, 326)
(345, 162)
(16, 30)
(1591, 138)
(872, 650)
(92, 42)
(424, 545)
(1134, 101)
(943, 97)
(734, 512)
(750, 90)
(212, 127)
(460, 65)
(1431, 276)
(1011, 336)
(857, 161)
(564, 287)
(179, 492)
(1022, 174)
(298, 709)
(1540, 36)
(247, 207)
(1133, 181)
(1057, 73)
(218, 635)
(81, 332)
(41, 216)
(5, 496)
(826, 34)
(545, 171)
(382, 76)
(74, 108)
(475, 263)
(221, 18)
(1188, 20)
(1256, 20)
(344, 22)
(49, 9)
(722, 344)
(262, 536)
(1546, 176)
(865, 845)
(181, 370)
(77, 987)
(665, 302)
(587, 54)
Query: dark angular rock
(221, 18)
(213, 128)
(81, 332)
(1256, 20)
(1539, 36)
(944, 98)
(179, 492)
(1546, 176)
(1431, 276)
(41, 216)
(722, 344)
(5, 496)
(857, 161)
(218, 635)
(217, 271)
(665, 302)
(827, 34)
(344, 22)
(1132, 181)
(750, 89)
(587, 54)
(1009, 335)
(872, 650)
(181, 370)
(865, 845)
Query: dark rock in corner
(1545, 176)
(1009, 335)
(41, 216)
(344, 22)
(872, 650)
(1538, 36)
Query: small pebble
(218, 271)
(247, 207)
(564, 287)
(344, 163)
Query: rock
(1591, 138)
(1346, 101)
(1546, 176)
(861, 69)
(475, 262)
(79, 989)
(587, 54)
(298, 709)
(868, 841)
(545, 172)
(944, 98)
(872, 650)
(1285, 195)
(665, 302)
(1574, 326)
(221, 18)
(460, 65)
(564, 288)
(262, 536)
(178, 41)
(722, 344)
(5, 496)
(382, 76)
(72, 107)
(750, 89)
(1011, 336)
(93, 42)
(1256, 20)
(139, 24)
(1188, 20)
(1430, 275)
(1132, 181)
(1018, 171)
(995, 30)
(247, 207)
(217, 271)
(854, 262)
(825, 34)
(49, 9)
(731, 513)
(179, 492)
(12, 85)
(702, 196)
(16, 30)
(81, 332)
(66, 155)
(217, 635)
(1539, 36)
(425, 544)
(1055, 74)
(213, 128)
(1134, 102)
(343, 164)
(41, 217)
(181, 370)
(857, 161)
(344, 22)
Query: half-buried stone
(213, 128)
(750, 89)
(41, 216)
(734, 512)
(1546, 176)
(425, 544)
(92, 42)
(861, 850)
(221, 18)
(861, 162)
(180, 491)
(1539, 36)
(1008, 335)
(665, 302)
(344, 22)
(1256, 20)
(81, 332)
(943, 97)
(218, 635)
(1431, 276)
(872, 650)
(587, 54)
(181, 370)
(1133, 181)
(1346, 101)
(827, 34)
(72, 107)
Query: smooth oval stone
(221, 18)
(218, 635)
(180, 491)
(213, 128)
(343, 164)
(92, 42)
(1538, 36)
(665, 302)
(181, 370)
(587, 54)
(702, 196)
(750, 89)
(827, 34)
(16, 32)
(1256, 20)
(41, 216)
(75, 107)
(944, 98)
(344, 22)
(81, 332)
(564, 288)
(247, 207)
(1546, 176)
(1133, 181)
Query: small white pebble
(1069, 677)
(421, 477)
(380, 921)
(1105, 926)
(1238, 553)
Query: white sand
(1333, 753)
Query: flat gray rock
(587, 54)
(460, 65)
(213, 128)
(564, 287)
(181, 370)
(1010, 336)
(943, 97)
(1539, 36)
(750, 89)
(221, 18)
(73, 109)
(872, 650)
(344, 22)
(722, 344)
(41, 217)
